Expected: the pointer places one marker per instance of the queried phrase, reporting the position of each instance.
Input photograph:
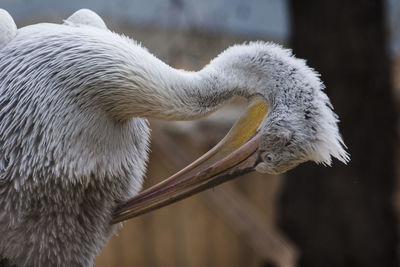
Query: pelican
(74, 137)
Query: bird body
(64, 164)
(74, 138)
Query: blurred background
(312, 216)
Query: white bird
(74, 138)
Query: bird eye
(268, 157)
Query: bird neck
(152, 89)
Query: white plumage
(74, 138)
(8, 29)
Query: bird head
(286, 123)
(279, 150)
(288, 138)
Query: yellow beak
(234, 155)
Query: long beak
(234, 155)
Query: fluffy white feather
(85, 17)
(8, 29)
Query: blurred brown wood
(249, 223)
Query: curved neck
(152, 89)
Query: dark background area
(344, 216)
